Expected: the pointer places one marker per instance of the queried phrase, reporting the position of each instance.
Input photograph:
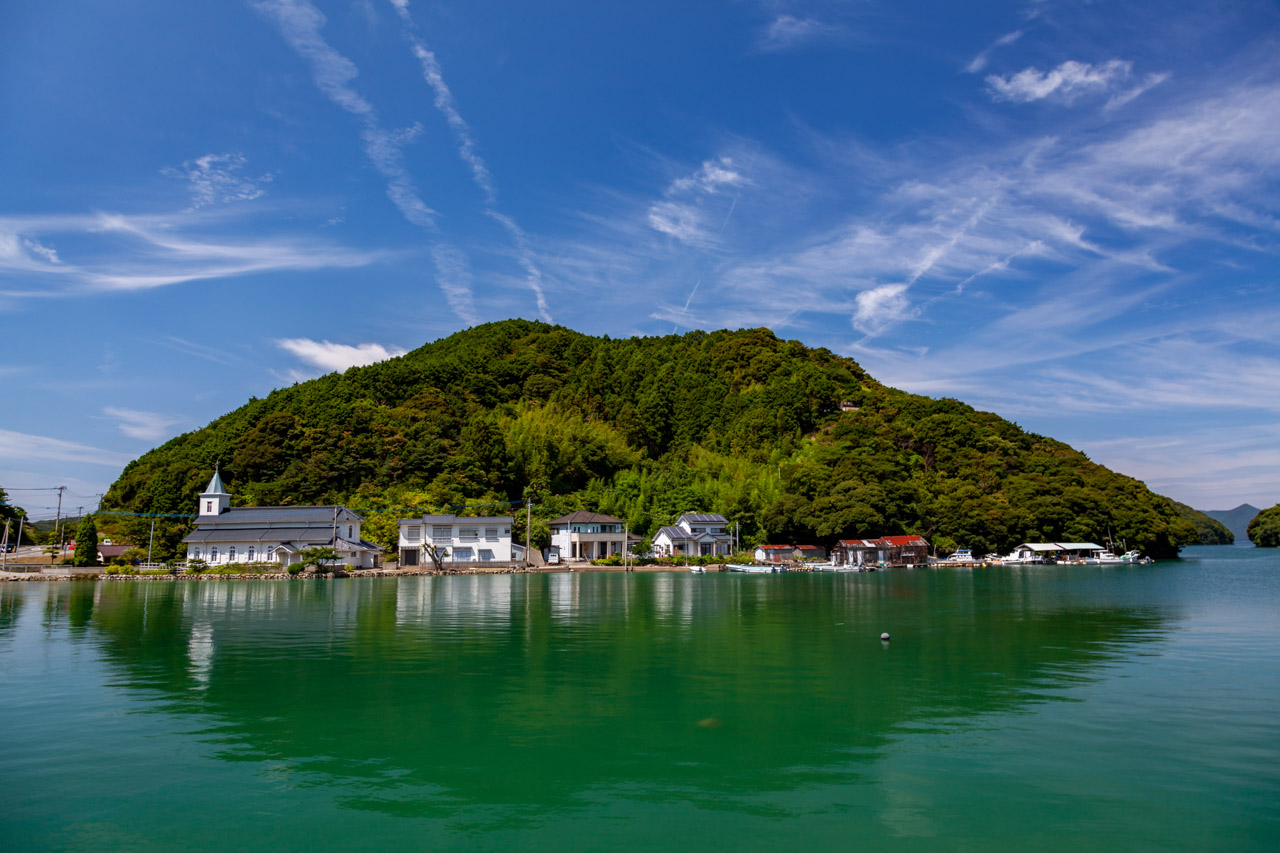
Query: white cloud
(148, 426)
(300, 23)
(681, 213)
(118, 252)
(453, 274)
(880, 306)
(17, 445)
(331, 357)
(216, 179)
(787, 31)
(980, 61)
(1066, 82)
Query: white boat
(698, 570)
(1106, 558)
(962, 557)
(754, 570)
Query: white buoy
(885, 636)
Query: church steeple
(216, 499)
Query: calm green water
(1038, 708)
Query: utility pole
(528, 531)
(151, 540)
(57, 521)
(4, 545)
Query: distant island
(1236, 520)
(789, 443)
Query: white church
(273, 534)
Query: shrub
(296, 568)
(118, 569)
(196, 566)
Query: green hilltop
(796, 444)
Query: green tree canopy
(86, 553)
(786, 441)
(1264, 530)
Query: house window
(252, 553)
(486, 554)
(468, 534)
(413, 533)
(462, 555)
(442, 534)
(491, 534)
(213, 554)
(231, 554)
(349, 533)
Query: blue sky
(1063, 212)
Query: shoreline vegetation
(789, 443)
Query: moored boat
(754, 570)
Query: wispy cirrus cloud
(980, 61)
(788, 32)
(1071, 80)
(22, 446)
(681, 213)
(218, 179)
(136, 423)
(469, 152)
(330, 357)
(122, 252)
(453, 274)
(300, 23)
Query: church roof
(215, 486)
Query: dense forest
(794, 444)
(1264, 530)
(1209, 530)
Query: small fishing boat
(698, 570)
(754, 570)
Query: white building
(586, 535)
(273, 534)
(457, 539)
(694, 535)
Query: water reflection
(451, 697)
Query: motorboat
(754, 570)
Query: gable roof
(278, 516)
(904, 540)
(776, 547)
(582, 516)
(702, 518)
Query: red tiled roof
(777, 547)
(904, 540)
(808, 548)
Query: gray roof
(262, 534)
(703, 518)
(582, 516)
(459, 519)
(278, 516)
(675, 534)
(215, 486)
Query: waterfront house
(694, 535)
(586, 535)
(774, 553)
(810, 552)
(273, 534)
(907, 550)
(457, 541)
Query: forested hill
(1210, 530)
(797, 444)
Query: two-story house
(586, 535)
(694, 535)
(457, 539)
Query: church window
(208, 507)
(231, 553)
(213, 554)
(251, 553)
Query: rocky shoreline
(37, 577)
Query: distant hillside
(1264, 530)
(1236, 520)
(795, 444)
(1210, 530)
